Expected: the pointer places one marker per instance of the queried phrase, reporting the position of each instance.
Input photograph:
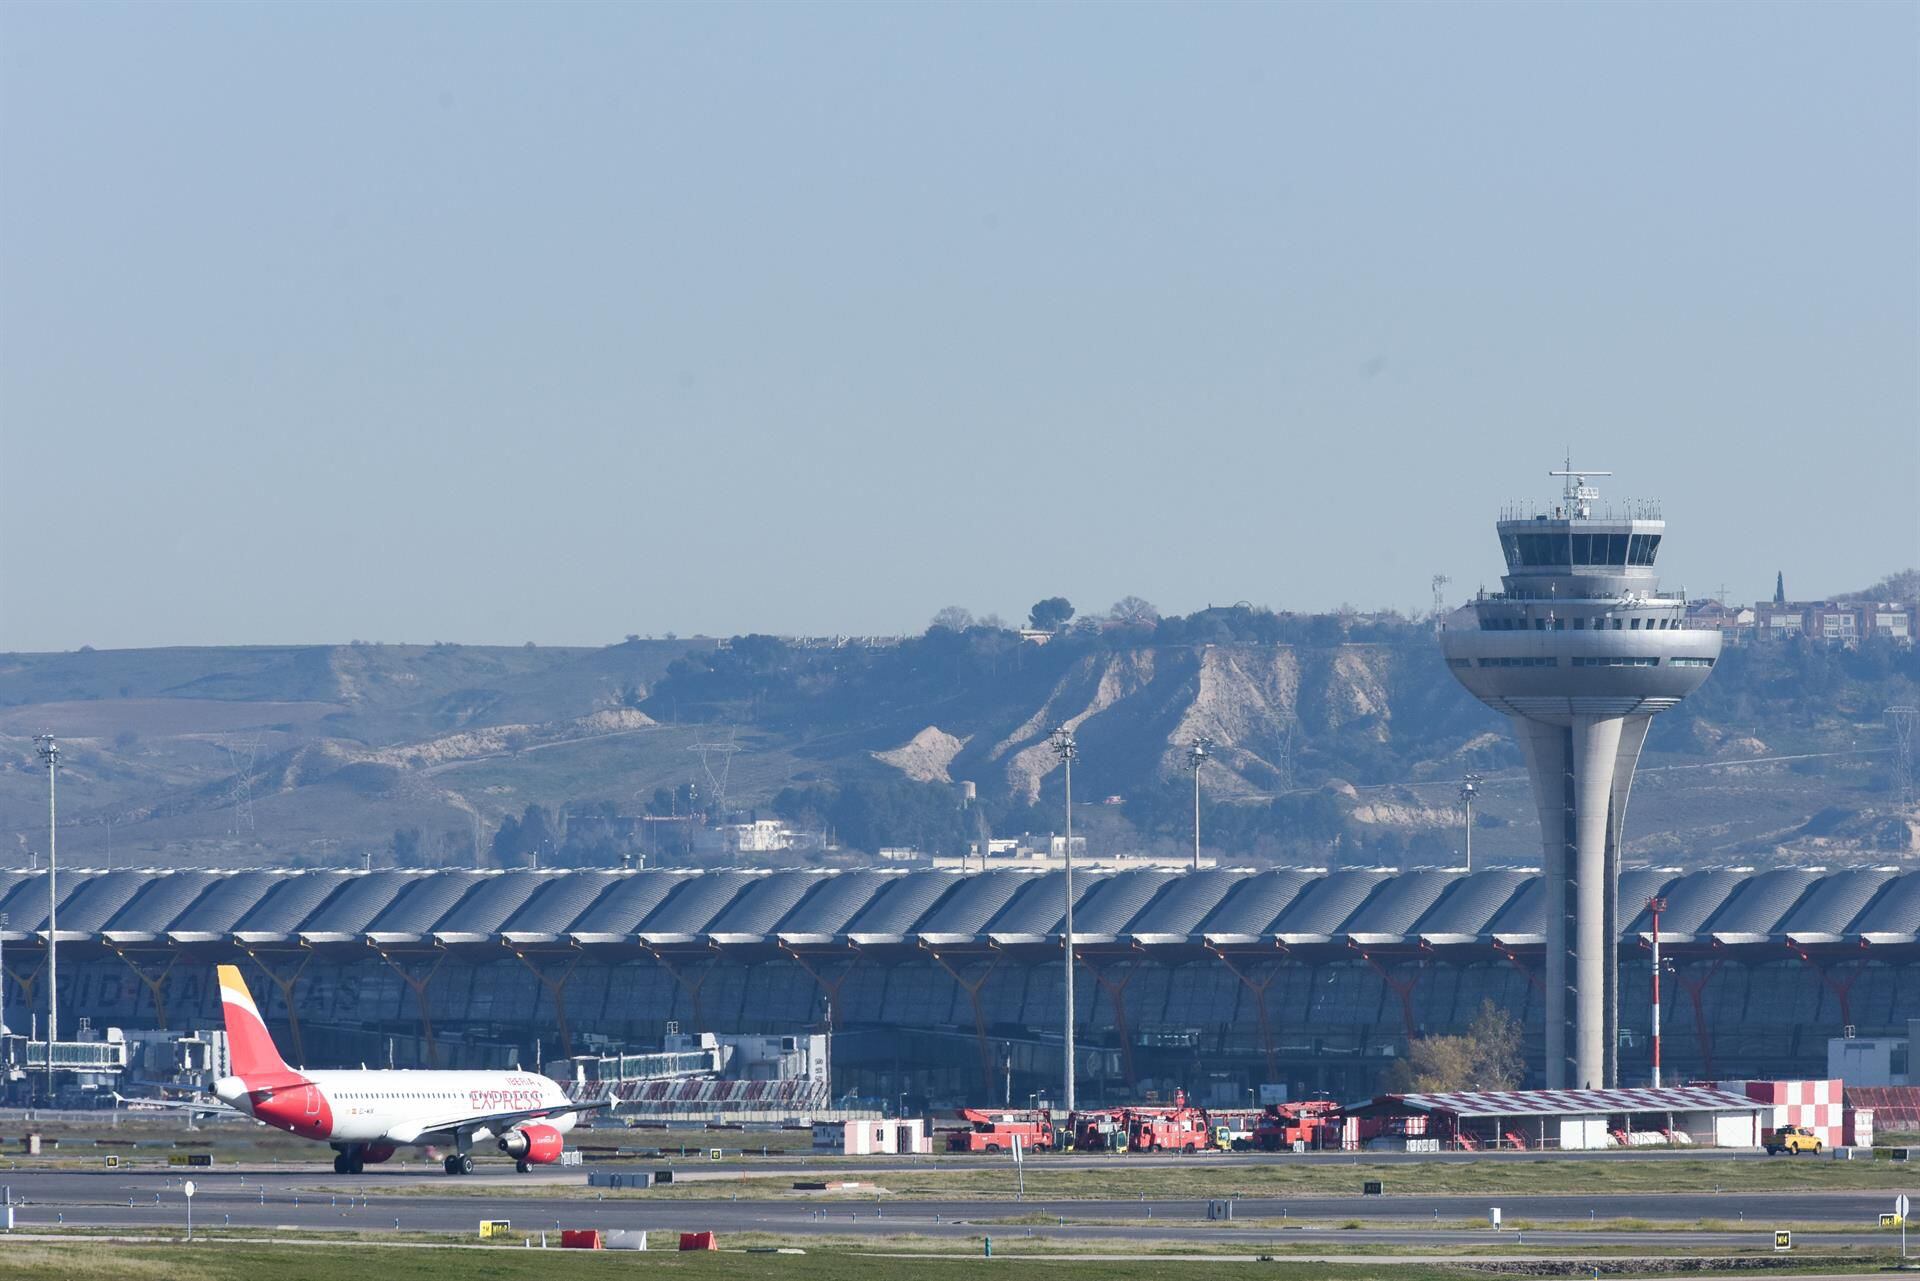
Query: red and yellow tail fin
(249, 1044)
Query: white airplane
(367, 1115)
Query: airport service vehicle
(1233, 1128)
(1100, 1130)
(995, 1131)
(1281, 1125)
(368, 1115)
(1176, 1129)
(1791, 1139)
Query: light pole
(1196, 757)
(1469, 789)
(1066, 749)
(1656, 906)
(49, 751)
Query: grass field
(1161, 1179)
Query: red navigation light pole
(1656, 906)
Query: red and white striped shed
(1582, 1119)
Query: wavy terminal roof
(1289, 906)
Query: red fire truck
(1281, 1125)
(1100, 1130)
(1176, 1129)
(995, 1131)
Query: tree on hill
(1903, 586)
(953, 618)
(1134, 612)
(1050, 615)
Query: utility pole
(49, 751)
(1196, 757)
(1469, 789)
(1903, 720)
(1066, 749)
(1656, 906)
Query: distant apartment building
(761, 836)
(1048, 852)
(1837, 622)
(1733, 622)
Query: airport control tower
(1581, 649)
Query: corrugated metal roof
(86, 905)
(1762, 901)
(1692, 900)
(1183, 905)
(762, 906)
(1475, 1103)
(836, 900)
(1257, 901)
(564, 899)
(222, 906)
(1472, 902)
(1399, 903)
(352, 909)
(620, 910)
(423, 903)
(1159, 906)
(696, 901)
(486, 908)
(157, 903)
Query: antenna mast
(1577, 496)
(718, 782)
(241, 755)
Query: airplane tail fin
(249, 1044)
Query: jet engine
(533, 1144)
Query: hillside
(1334, 740)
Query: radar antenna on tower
(1578, 496)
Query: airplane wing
(497, 1122)
(177, 1105)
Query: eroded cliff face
(1254, 703)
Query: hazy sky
(498, 322)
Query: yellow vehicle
(1791, 1139)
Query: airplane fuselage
(397, 1107)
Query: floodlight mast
(1066, 749)
(1469, 790)
(1655, 906)
(1196, 757)
(49, 751)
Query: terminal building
(946, 986)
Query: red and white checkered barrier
(1816, 1104)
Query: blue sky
(558, 322)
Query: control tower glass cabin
(1581, 649)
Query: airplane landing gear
(461, 1164)
(522, 1166)
(349, 1161)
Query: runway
(411, 1201)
